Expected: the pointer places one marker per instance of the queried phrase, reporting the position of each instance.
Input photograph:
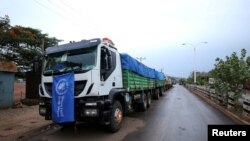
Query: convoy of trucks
(107, 85)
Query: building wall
(6, 89)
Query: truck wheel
(161, 91)
(156, 94)
(144, 104)
(148, 99)
(116, 117)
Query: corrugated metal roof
(7, 66)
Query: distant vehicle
(168, 82)
(108, 85)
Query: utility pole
(141, 58)
(42, 46)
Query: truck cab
(98, 87)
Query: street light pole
(194, 65)
(194, 46)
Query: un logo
(62, 87)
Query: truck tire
(161, 91)
(144, 104)
(156, 94)
(148, 99)
(116, 117)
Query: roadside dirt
(15, 123)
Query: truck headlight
(41, 103)
(91, 104)
(91, 112)
(42, 110)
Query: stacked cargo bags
(137, 76)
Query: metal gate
(6, 89)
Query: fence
(210, 93)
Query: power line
(50, 9)
(81, 15)
(71, 15)
(54, 11)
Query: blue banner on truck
(63, 98)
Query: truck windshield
(77, 61)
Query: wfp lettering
(59, 111)
(63, 98)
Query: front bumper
(86, 109)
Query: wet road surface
(177, 116)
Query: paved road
(177, 116)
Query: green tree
(182, 81)
(21, 44)
(201, 78)
(231, 74)
(190, 79)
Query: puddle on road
(182, 128)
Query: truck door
(108, 65)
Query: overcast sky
(154, 29)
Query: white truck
(107, 84)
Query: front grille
(79, 87)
